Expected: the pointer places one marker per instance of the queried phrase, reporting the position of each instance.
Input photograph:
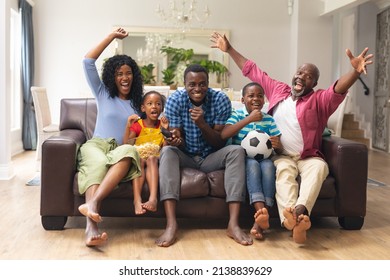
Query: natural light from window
(15, 70)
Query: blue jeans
(260, 181)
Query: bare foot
(289, 221)
(262, 218)
(84, 209)
(168, 237)
(236, 233)
(299, 231)
(150, 205)
(256, 231)
(298, 210)
(138, 209)
(96, 239)
(92, 236)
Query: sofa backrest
(78, 113)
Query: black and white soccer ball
(257, 145)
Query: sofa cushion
(194, 183)
(78, 113)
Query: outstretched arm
(95, 52)
(222, 43)
(359, 64)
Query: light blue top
(112, 112)
(267, 125)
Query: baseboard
(6, 172)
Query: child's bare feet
(256, 231)
(299, 231)
(262, 218)
(87, 212)
(138, 209)
(150, 205)
(289, 221)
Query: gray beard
(297, 94)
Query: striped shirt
(267, 125)
(217, 109)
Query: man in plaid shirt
(197, 114)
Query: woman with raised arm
(103, 162)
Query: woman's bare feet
(96, 240)
(299, 231)
(236, 233)
(168, 237)
(92, 236)
(150, 205)
(289, 221)
(138, 209)
(92, 214)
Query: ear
(242, 99)
(315, 84)
(142, 108)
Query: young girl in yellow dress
(145, 134)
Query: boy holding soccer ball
(260, 174)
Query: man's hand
(360, 62)
(220, 42)
(197, 114)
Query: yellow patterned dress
(149, 140)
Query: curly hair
(163, 101)
(108, 76)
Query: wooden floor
(23, 238)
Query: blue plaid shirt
(217, 109)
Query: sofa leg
(351, 223)
(53, 222)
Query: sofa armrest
(348, 164)
(59, 165)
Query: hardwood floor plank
(23, 237)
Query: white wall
(66, 30)
(260, 29)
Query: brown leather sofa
(343, 193)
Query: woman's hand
(120, 33)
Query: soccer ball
(257, 145)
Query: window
(15, 47)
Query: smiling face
(152, 106)
(304, 80)
(123, 80)
(253, 98)
(196, 84)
